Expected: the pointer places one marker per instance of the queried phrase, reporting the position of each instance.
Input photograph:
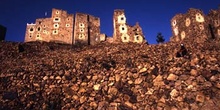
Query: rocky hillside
(39, 75)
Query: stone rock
(96, 87)
(193, 72)
(117, 77)
(129, 104)
(158, 81)
(82, 99)
(138, 81)
(172, 77)
(112, 90)
(143, 70)
(200, 98)
(174, 93)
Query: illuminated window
(55, 31)
(81, 25)
(81, 30)
(56, 25)
(67, 25)
(56, 19)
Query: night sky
(153, 15)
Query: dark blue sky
(153, 15)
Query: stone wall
(123, 32)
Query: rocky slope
(39, 75)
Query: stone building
(62, 27)
(87, 29)
(124, 32)
(195, 25)
(2, 32)
(214, 19)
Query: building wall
(124, 32)
(2, 32)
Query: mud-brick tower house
(58, 28)
(87, 29)
(193, 25)
(214, 19)
(123, 32)
(2, 32)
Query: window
(56, 25)
(30, 36)
(137, 37)
(125, 38)
(38, 29)
(123, 28)
(55, 31)
(81, 30)
(38, 35)
(81, 36)
(174, 23)
(67, 25)
(122, 18)
(57, 12)
(44, 26)
(31, 29)
(56, 19)
(39, 22)
(81, 25)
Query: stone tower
(124, 32)
(193, 25)
(2, 32)
(58, 28)
(214, 20)
(87, 29)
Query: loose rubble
(39, 75)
